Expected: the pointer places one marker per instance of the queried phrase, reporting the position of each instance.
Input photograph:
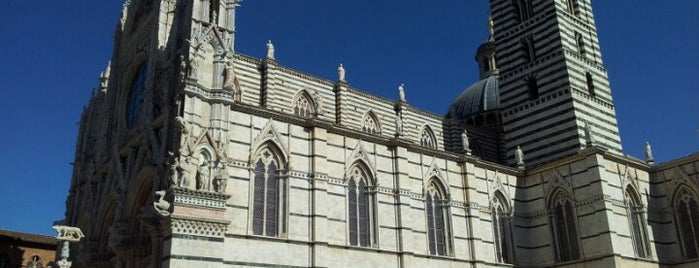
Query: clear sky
(52, 52)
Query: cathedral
(191, 154)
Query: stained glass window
(360, 210)
(438, 226)
(688, 223)
(564, 228)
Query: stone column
(66, 234)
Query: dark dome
(480, 97)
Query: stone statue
(401, 92)
(649, 153)
(161, 206)
(466, 143)
(341, 73)
(188, 170)
(183, 68)
(399, 124)
(203, 174)
(220, 183)
(194, 66)
(588, 134)
(270, 50)
(229, 77)
(519, 157)
(68, 233)
(319, 102)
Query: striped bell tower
(552, 80)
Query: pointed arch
(269, 191)
(269, 134)
(427, 138)
(637, 224)
(564, 225)
(361, 206)
(501, 214)
(303, 104)
(370, 123)
(686, 207)
(438, 218)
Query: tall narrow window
(564, 228)
(580, 43)
(572, 6)
(438, 225)
(634, 209)
(502, 232)
(687, 213)
(427, 138)
(268, 192)
(529, 49)
(138, 85)
(523, 9)
(360, 209)
(532, 87)
(370, 126)
(590, 84)
(303, 106)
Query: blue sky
(52, 52)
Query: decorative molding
(199, 226)
(194, 198)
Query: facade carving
(194, 155)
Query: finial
(649, 154)
(491, 24)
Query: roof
(480, 97)
(27, 237)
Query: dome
(480, 97)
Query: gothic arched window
(303, 106)
(580, 44)
(369, 124)
(572, 6)
(361, 212)
(522, 10)
(634, 209)
(687, 214)
(438, 220)
(268, 194)
(138, 85)
(590, 84)
(427, 138)
(35, 262)
(502, 230)
(563, 223)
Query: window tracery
(427, 138)
(303, 106)
(438, 223)
(635, 210)
(361, 209)
(502, 232)
(369, 125)
(563, 222)
(268, 194)
(687, 214)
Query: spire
(491, 29)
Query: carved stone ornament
(162, 207)
(68, 233)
